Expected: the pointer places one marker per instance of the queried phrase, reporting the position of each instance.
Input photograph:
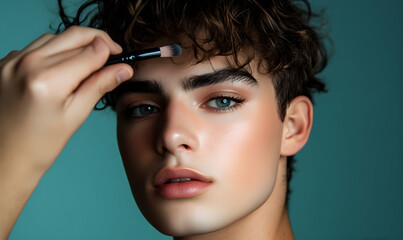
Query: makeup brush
(165, 51)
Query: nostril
(186, 147)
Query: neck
(269, 221)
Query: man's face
(210, 119)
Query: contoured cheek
(243, 156)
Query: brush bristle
(171, 50)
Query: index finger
(76, 37)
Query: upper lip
(167, 174)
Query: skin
(242, 150)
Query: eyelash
(130, 110)
(238, 101)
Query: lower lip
(184, 189)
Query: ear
(297, 125)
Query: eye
(143, 110)
(224, 103)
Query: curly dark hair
(279, 33)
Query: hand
(47, 91)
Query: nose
(179, 132)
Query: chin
(185, 228)
(183, 221)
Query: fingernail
(118, 46)
(123, 75)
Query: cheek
(135, 145)
(246, 156)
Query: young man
(206, 138)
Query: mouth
(171, 183)
(178, 180)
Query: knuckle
(99, 33)
(5, 70)
(35, 85)
(48, 35)
(7, 66)
(74, 28)
(95, 31)
(8, 57)
(79, 31)
(34, 76)
(101, 46)
(27, 61)
(103, 34)
(75, 31)
(100, 49)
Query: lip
(186, 189)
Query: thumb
(96, 86)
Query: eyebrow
(221, 76)
(152, 86)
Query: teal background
(348, 180)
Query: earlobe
(297, 125)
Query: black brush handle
(134, 56)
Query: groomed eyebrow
(224, 75)
(152, 86)
(135, 86)
(141, 86)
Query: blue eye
(142, 110)
(224, 103)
